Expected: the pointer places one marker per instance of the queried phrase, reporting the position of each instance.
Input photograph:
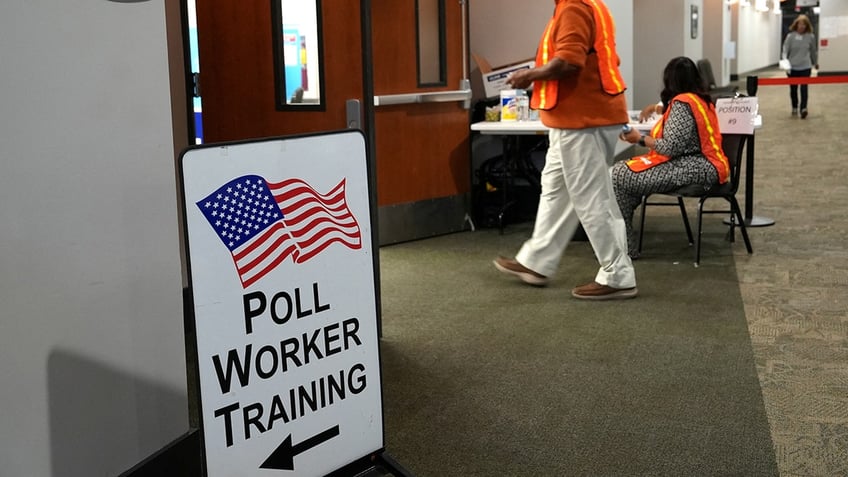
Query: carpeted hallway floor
(738, 367)
(795, 286)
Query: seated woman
(684, 146)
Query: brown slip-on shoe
(512, 267)
(596, 291)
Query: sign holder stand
(751, 220)
(281, 263)
(377, 465)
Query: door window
(297, 54)
(431, 42)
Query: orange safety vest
(545, 92)
(708, 132)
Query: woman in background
(684, 146)
(799, 48)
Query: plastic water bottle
(626, 128)
(523, 105)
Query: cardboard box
(494, 79)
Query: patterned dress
(687, 166)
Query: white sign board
(282, 276)
(737, 115)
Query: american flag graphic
(264, 223)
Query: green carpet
(483, 375)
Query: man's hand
(521, 79)
(552, 70)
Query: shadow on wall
(104, 421)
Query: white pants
(577, 189)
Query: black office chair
(733, 146)
(706, 69)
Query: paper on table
(642, 126)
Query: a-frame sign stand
(281, 270)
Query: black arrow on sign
(283, 456)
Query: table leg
(510, 148)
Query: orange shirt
(581, 100)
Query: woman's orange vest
(545, 92)
(708, 132)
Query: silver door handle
(353, 113)
(433, 97)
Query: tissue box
(494, 79)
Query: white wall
(715, 32)
(660, 35)
(622, 12)
(693, 47)
(504, 31)
(834, 57)
(670, 36)
(91, 337)
(758, 40)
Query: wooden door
(237, 80)
(420, 152)
(423, 150)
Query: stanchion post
(751, 85)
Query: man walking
(578, 88)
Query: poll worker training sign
(282, 278)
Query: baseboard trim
(422, 219)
